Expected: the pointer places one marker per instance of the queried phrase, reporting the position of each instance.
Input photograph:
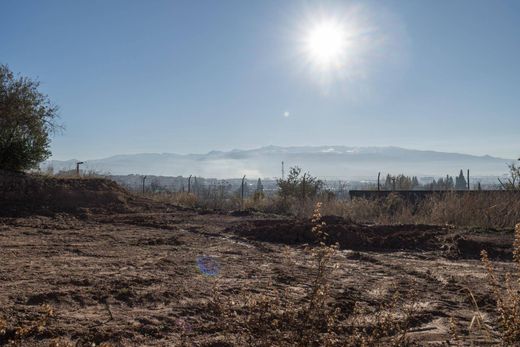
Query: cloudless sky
(194, 76)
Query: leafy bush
(27, 118)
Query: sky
(195, 76)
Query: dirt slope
(27, 194)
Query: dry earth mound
(24, 194)
(384, 238)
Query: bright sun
(325, 44)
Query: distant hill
(324, 161)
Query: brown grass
(280, 317)
(486, 209)
(507, 295)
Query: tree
(299, 186)
(415, 182)
(259, 192)
(259, 186)
(460, 182)
(27, 119)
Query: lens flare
(208, 266)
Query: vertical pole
(393, 184)
(303, 187)
(77, 167)
(144, 179)
(379, 181)
(189, 184)
(242, 193)
(468, 181)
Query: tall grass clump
(506, 292)
(281, 318)
(482, 209)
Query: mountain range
(329, 162)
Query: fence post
(189, 184)
(242, 193)
(379, 181)
(144, 179)
(303, 187)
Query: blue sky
(194, 76)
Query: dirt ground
(147, 278)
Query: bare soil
(133, 279)
(145, 274)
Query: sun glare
(326, 44)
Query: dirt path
(138, 279)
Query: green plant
(299, 186)
(27, 119)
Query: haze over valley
(328, 162)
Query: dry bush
(485, 209)
(507, 296)
(388, 325)
(176, 198)
(281, 317)
(393, 209)
(204, 201)
(269, 204)
(476, 209)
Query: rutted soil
(136, 279)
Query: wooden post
(144, 179)
(242, 193)
(189, 184)
(379, 181)
(468, 181)
(303, 187)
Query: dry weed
(507, 296)
(281, 317)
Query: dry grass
(504, 328)
(280, 317)
(17, 333)
(487, 210)
(507, 295)
(181, 198)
